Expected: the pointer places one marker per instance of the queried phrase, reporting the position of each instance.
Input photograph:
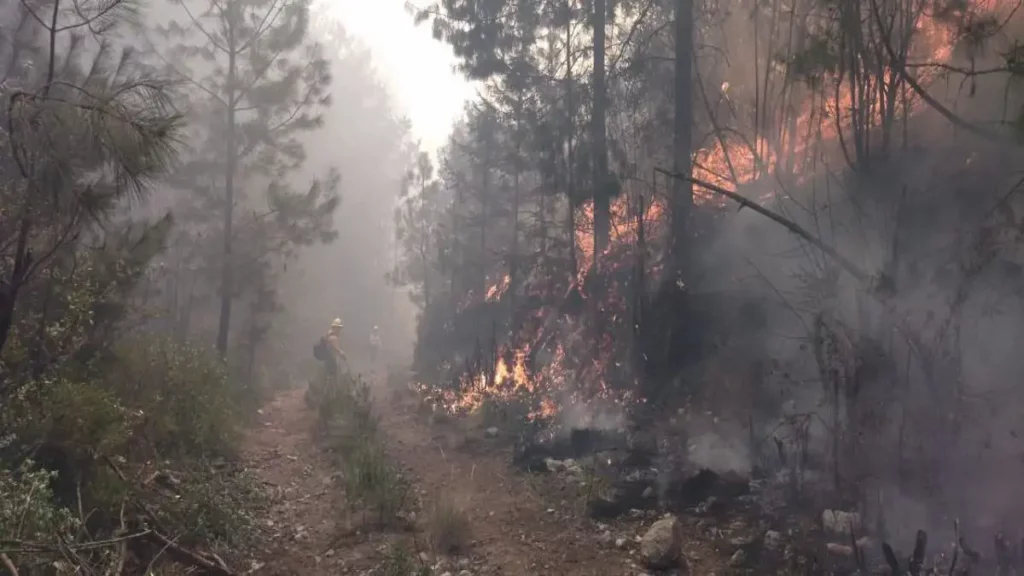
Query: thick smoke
(368, 141)
(931, 359)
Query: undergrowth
(346, 425)
(448, 527)
(400, 561)
(101, 463)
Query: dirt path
(516, 525)
(520, 524)
(301, 524)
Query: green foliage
(400, 561)
(449, 527)
(217, 504)
(83, 420)
(184, 402)
(261, 83)
(374, 481)
(349, 428)
(27, 508)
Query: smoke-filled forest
(716, 287)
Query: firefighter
(327, 350)
(374, 345)
(335, 355)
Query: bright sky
(417, 68)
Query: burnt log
(530, 453)
(696, 488)
(634, 492)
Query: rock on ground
(661, 546)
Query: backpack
(320, 350)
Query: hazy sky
(417, 68)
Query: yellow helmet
(336, 323)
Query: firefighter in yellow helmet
(335, 355)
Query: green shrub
(448, 526)
(345, 415)
(400, 561)
(373, 480)
(183, 399)
(217, 506)
(83, 420)
(349, 428)
(27, 508)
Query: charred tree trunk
(513, 257)
(600, 184)
(602, 202)
(682, 138)
(9, 288)
(570, 129)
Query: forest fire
(729, 160)
(510, 381)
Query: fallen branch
(8, 565)
(898, 65)
(24, 547)
(786, 223)
(211, 564)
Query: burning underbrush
(762, 428)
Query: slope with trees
(879, 225)
(155, 193)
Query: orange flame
(729, 162)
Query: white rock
(660, 547)
(840, 522)
(739, 558)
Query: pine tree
(256, 83)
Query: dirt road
(518, 528)
(520, 524)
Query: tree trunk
(570, 129)
(9, 288)
(602, 202)
(682, 137)
(227, 275)
(513, 257)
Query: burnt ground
(520, 524)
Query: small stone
(741, 541)
(839, 549)
(620, 543)
(739, 558)
(840, 522)
(492, 432)
(772, 540)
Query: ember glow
(729, 161)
